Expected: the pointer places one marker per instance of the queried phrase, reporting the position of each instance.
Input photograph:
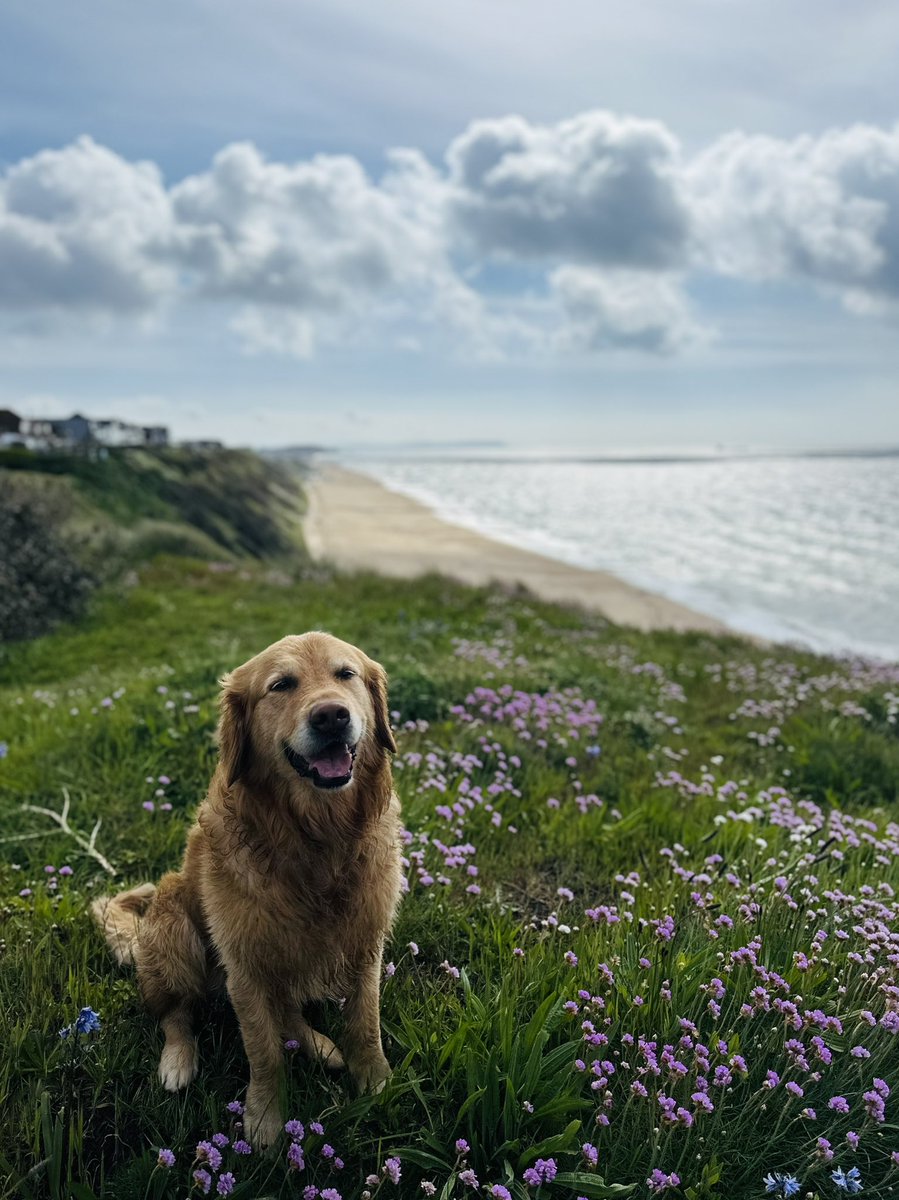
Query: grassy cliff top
(224, 501)
(651, 913)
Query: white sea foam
(804, 550)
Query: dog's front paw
(326, 1052)
(262, 1127)
(178, 1065)
(371, 1074)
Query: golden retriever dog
(291, 875)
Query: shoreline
(359, 524)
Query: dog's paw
(262, 1128)
(326, 1052)
(371, 1075)
(178, 1065)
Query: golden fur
(287, 886)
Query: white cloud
(597, 188)
(308, 235)
(75, 225)
(596, 222)
(823, 209)
(625, 310)
(318, 251)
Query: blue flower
(4, 749)
(88, 1021)
(781, 1185)
(847, 1181)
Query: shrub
(40, 580)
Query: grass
(657, 860)
(133, 504)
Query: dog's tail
(119, 917)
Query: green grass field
(651, 938)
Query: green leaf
(551, 1145)
(422, 1158)
(80, 1191)
(592, 1186)
(469, 1101)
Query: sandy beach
(357, 524)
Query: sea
(798, 549)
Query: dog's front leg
(258, 1015)
(362, 1038)
(316, 1046)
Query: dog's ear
(376, 680)
(234, 730)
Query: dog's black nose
(329, 719)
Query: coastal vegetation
(71, 520)
(650, 944)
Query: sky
(581, 225)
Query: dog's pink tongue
(334, 763)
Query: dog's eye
(346, 673)
(287, 684)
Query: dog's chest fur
(306, 914)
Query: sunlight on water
(802, 550)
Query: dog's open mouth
(330, 767)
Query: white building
(116, 433)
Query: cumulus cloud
(625, 310)
(824, 209)
(75, 225)
(597, 188)
(594, 224)
(316, 247)
(308, 235)
(305, 248)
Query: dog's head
(304, 709)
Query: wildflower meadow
(649, 945)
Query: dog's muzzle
(330, 767)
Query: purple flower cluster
(789, 686)
(209, 1156)
(544, 1170)
(51, 878)
(849, 939)
(159, 800)
(499, 653)
(206, 1169)
(472, 788)
(299, 1147)
(658, 1181)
